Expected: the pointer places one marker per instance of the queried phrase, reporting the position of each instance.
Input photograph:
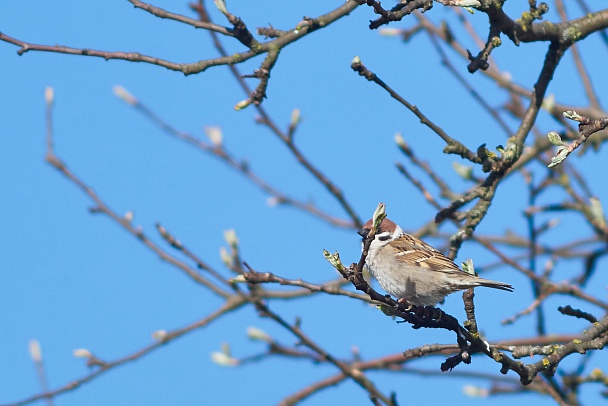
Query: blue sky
(70, 279)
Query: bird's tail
(495, 284)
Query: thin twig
(106, 366)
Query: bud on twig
(215, 136)
(159, 335)
(49, 95)
(82, 353)
(125, 95)
(231, 238)
(242, 104)
(256, 334)
(35, 351)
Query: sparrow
(413, 271)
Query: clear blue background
(71, 279)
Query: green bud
(379, 215)
(555, 139)
(238, 279)
(562, 153)
(549, 102)
(231, 238)
(221, 6)
(242, 104)
(572, 115)
(82, 353)
(400, 141)
(215, 135)
(475, 391)
(468, 267)
(223, 360)
(225, 257)
(35, 351)
(49, 95)
(333, 259)
(597, 211)
(159, 335)
(257, 334)
(295, 117)
(129, 216)
(464, 171)
(390, 32)
(125, 95)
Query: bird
(413, 271)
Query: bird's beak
(363, 232)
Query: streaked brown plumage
(410, 269)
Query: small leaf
(562, 153)
(490, 154)
(511, 147)
(333, 259)
(387, 310)
(379, 215)
(572, 115)
(468, 267)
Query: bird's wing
(416, 252)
